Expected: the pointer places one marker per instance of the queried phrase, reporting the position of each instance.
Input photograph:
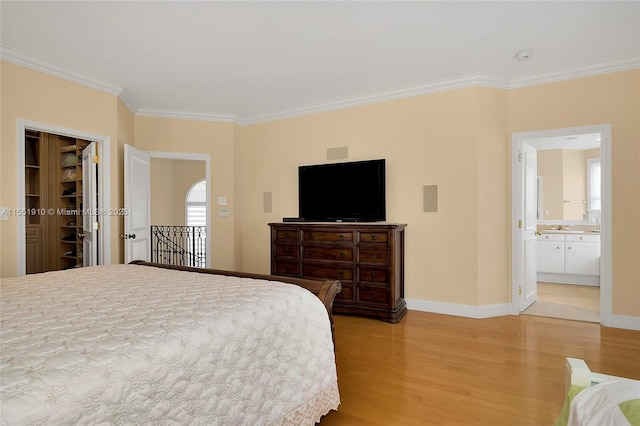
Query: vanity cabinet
(551, 253)
(582, 254)
(569, 258)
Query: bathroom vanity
(569, 257)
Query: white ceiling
(252, 61)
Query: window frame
(188, 203)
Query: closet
(53, 201)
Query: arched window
(196, 214)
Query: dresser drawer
(286, 250)
(286, 268)
(286, 234)
(327, 253)
(327, 236)
(373, 295)
(314, 271)
(373, 275)
(373, 255)
(346, 294)
(373, 237)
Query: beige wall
(456, 140)
(564, 173)
(614, 99)
(574, 171)
(550, 168)
(170, 182)
(204, 137)
(38, 97)
(185, 175)
(161, 194)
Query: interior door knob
(127, 236)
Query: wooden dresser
(368, 259)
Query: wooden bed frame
(325, 290)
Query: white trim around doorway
(606, 314)
(188, 156)
(104, 185)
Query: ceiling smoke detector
(523, 55)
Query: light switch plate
(222, 201)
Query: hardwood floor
(435, 369)
(577, 302)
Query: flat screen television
(342, 192)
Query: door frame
(517, 139)
(104, 185)
(190, 156)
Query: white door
(529, 226)
(90, 229)
(137, 221)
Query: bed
(152, 344)
(595, 399)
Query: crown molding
(474, 80)
(186, 115)
(31, 62)
(622, 64)
(130, 102)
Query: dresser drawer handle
(373, 275)
(373, 296)
(341, 254)
(373, 255)
(287, 251)
(558, 248)
(310, 271)
(581, 238)
(373, 237)
(286, 235)
(310, 236)
(341, 274)
(310, 252)
(547, 237)
(341, 237)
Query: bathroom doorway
(571, 209)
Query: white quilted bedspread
(137, 345)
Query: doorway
(150, 179)
(549, 217)
(66, 189)
(178, 193)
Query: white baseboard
(502, 309)
(469, 311)
(622, 321)
(592, 280)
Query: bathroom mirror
(563, 184)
